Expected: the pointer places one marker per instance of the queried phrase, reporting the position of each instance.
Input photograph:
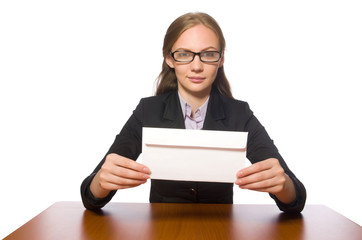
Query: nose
(197, 65)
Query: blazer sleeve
(260, 147)
(128, 143)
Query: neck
(195, 100)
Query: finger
(270, 185)
(255, 177)
(273, 189)
(108, 173)
(276, 172)
(129, 174)
(128, 163)
(126, 183)
(255, 168)
(116, 182)
(258, 167)
(112, 186)
(258, 185)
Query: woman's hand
(118, 172)
(267, 176)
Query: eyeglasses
(188, 56)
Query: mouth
(196, 79)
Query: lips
(196, 79)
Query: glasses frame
(198, 54)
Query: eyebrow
(204, 49)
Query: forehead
(197, 38)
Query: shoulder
(230, 104)
(156, 104)
(158, 99)
(233, 101)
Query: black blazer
(223, 113)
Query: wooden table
(69, 220)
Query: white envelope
(193, 155)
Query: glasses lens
(210, 56)
(183, 56)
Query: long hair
(167, 80)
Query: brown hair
(167, 80)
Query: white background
(72, 72)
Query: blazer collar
(215, 111)
(173, 112)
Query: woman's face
(195, 78)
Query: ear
(169, 61)
(221, 60)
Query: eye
(210, 54)
(183, 54)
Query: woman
(193, 93)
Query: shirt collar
(200, 113)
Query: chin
(198, 90)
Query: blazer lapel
(215, 113)
(172, 114)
